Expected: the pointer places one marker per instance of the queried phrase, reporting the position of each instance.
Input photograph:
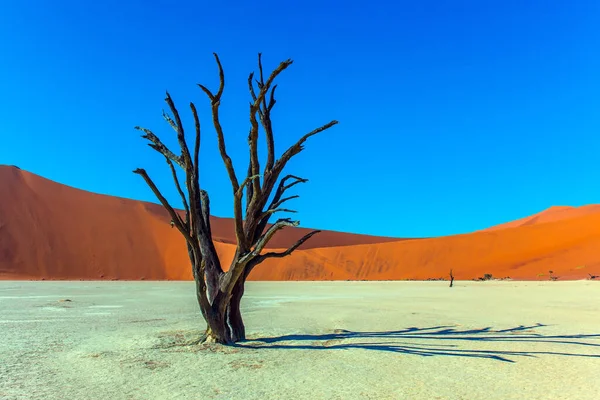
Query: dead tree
(219, 293)
(451, 278)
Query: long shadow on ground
(414, 341)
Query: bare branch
(254, 108)
(263, 218)
(191, 181)
(260, 70)
(272, 211)
(257, 225)
(265, 115)
(208, 92)
(160, 147)
(272, 100)
(277, 200)
(291, 249)
(280, 202)
(194, 175)
(219, 129)
(168, 118)
(237, 204)
(251, 86)
(216, 98)
(221, 77)
(266, 237)
(298, 147)
(249, 192)
(185, 152)
(297, 181)
(267, 126)
(197, 142)
(254, 162)
(183, 199)
(181, 226)
(261, 84)
(245, 182)
(205, 205)
(267, 85)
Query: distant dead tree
(451, 278)
(219, 293)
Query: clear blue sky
(454, 115)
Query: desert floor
(414, 340)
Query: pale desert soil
(395, 340)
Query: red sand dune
(52, 231)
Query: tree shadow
(413, 341)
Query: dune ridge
(551, 214)
(53, 231)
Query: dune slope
(552, 214)
(49, 230)
(52, 231)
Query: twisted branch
(157, 145)
(264, 239)
(180, 191)
(177, 221)
(292, 248)
(255, 108)
(237, 204)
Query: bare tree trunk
(213, 308)
(219, 293)
(234, 314)
(218, 331)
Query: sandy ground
(394, 340)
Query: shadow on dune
(414, 341)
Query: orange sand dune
(223, 231)
(556, 213)
(52, 231)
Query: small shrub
(485, 277)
